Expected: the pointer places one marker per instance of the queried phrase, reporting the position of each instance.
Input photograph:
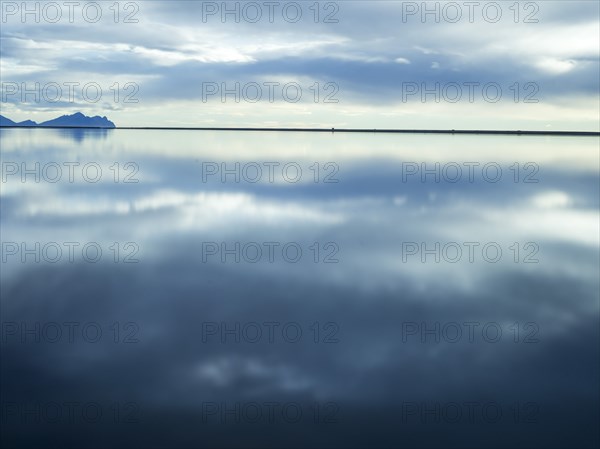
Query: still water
(230, 289)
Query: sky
(354, 64)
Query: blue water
(390, 303)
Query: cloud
(171, 50)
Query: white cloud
(552, 200)
(555, 66)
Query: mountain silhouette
(7, 122)
(77, 120)
(27, 123)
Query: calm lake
(280, 289)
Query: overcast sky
(371, 60)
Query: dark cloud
(170, 52)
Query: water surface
(378, 362)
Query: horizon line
(331, 130)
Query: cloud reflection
(372, 370)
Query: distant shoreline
(332, 130)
